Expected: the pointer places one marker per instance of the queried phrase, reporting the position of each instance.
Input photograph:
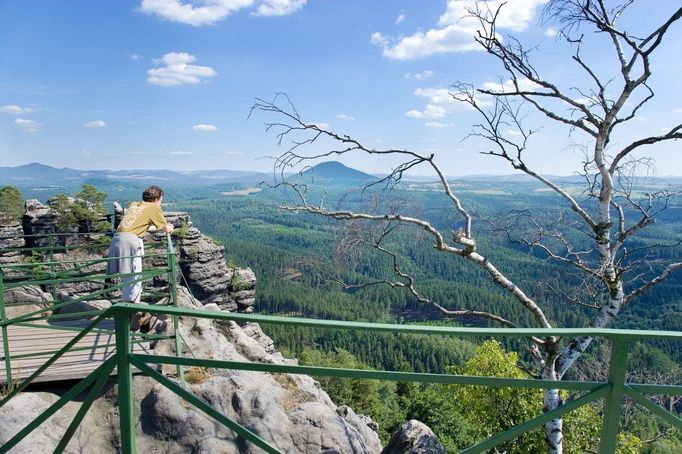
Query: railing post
(614, 400)
(5, 340)
(53, 286)
(172, 283)
(126, 399)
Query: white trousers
(132, 290)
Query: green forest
(300, 261)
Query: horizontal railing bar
(655, 409)
(147, 273)
(47, 235)
(90, 347)
(83, 261)
(496, 382)
(673, 390)
(412, 329)
(89, 296)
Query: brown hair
(152, 194)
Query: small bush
(196, 375)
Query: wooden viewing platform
(48, 337)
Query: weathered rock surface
(39, 219)
(11, 235)
(83, 306)
(25, 299)
(414, 437)
(289, 411)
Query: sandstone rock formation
(289, 411)
(414, 437)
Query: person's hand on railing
(169, 228)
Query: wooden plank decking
(44, 337)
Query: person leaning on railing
(127, 249)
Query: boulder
(414, 437)
(26, 299)
(83, 306)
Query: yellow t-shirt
(139, 216)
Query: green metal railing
(42, 269)
(611, 391)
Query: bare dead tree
(609, 213)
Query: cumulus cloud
(419, 76)
(551, 32)
(345, 117)
(436, 124)
(401, 18)
(176, 68)
(135, 57)
(203, 127)
(28, 125)
(279, 7)
(85, 153)
(431, 111)
(15, 110)
(508, 86)
(208, 12)
(456, 29)
(95, 124)
(194, 13)
(181, 153)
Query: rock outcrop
(290, 412)
(11, 236)
(414, 437)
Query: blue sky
(169, 83)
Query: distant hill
(337, 172)
(41, 175)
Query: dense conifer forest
(300, 263)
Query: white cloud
(431, 111)
(677, 111)
(345, 117)
(95, 124)
(551, 32)
(436, 124)
(208, 12)
(28, 125)
(401, 18)
(279, 7)
(85, 153)
(177, 70)
(15, 110)
(514, 132)
(135, 57)
(419, 76)
(435, 95)
(456, 29)
(196, 13)
(181, 153)
(203, 127)
(508, 86)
